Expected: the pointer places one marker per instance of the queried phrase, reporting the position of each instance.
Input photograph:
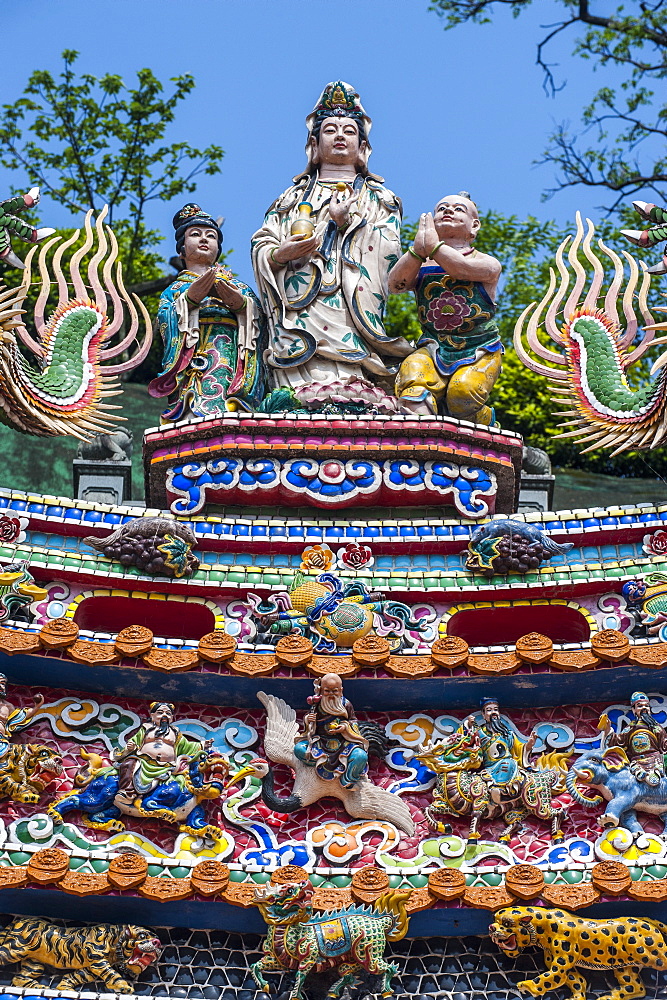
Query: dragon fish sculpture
(56, 381)
(589, 370)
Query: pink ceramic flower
(448, 311)
(655, 544)
(355, 556)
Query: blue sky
(451, 110)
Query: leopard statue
(623, 945)
(91, 954)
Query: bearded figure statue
(322, 258)
(332, 742)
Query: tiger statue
(623, 945)
(26, 769)
(90, 953)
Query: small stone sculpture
(353, 940)
(485, 770)
(114, 447)
(11, 225)
(158, 546)
(159, 773)
(91, 954)
(459, 354)
(504, 546)
(320, 769)
(624, 945)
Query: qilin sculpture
(62, 387)
(353, 940)
(329, 757)
(628, 771)
(159, 774)
(588, 371)
(484, 770)
(624, 945)
(89, 954)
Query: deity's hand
(340, 204)
(229, 295)
(38, 700)
(427, 236)
(201, 286)
(531, 741)
(310, 719)
(294, 248)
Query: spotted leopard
(623, 945)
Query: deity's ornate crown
(338, 99)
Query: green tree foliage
(623, 144)
(90, 141)
(526, 249)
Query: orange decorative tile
(217, 647)
(165, 890)
(368, 883)
(488, 899)
(134, 641)
(570, 897)
(254, 664)
(14, 877)
(371, 651)
(331, 899)
(411, 666)
(534, 648)
(240, 894)
(574, 660)
(649, 892)
(344, 666)
(171, 661)
(611, 877)
(127, 871)
(288, 875)
(524, 881)
(449, 651)
(84, 884)
(610, 645)
(447, 883)
(47, 866)
(420, 899)
(294, 650)
(209, 878)
(493, 664)
(649, 656)
(59, 633)
(93, 653)
(18, 642)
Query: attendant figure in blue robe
(211, 326)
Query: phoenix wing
(281, 729)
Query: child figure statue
(10, 224)
(459, 353)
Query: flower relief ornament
(323, 279)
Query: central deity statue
(322, 257)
